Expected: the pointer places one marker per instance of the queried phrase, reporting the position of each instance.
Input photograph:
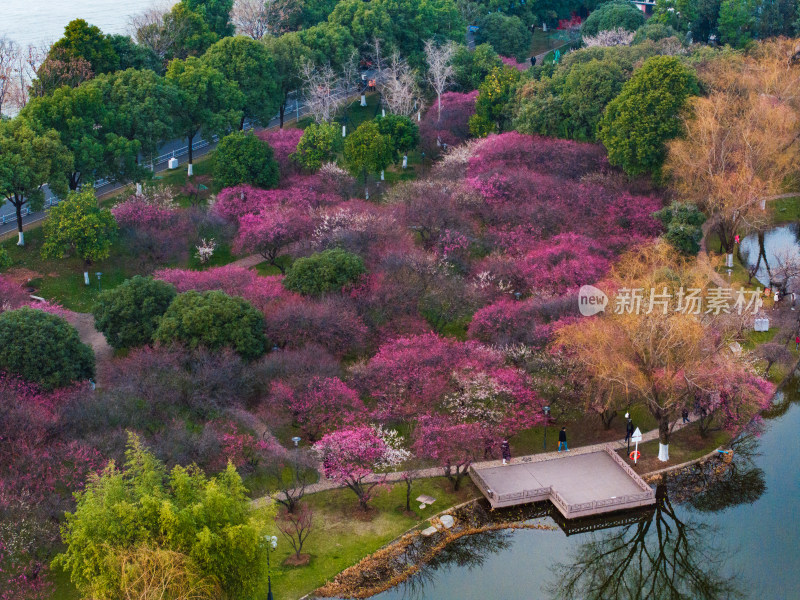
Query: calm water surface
(43, 21)
(769, 250)
(737, 537)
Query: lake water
(43, 21)
(736, 537)
(772, 252)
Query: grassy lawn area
(685, 445)
(343, 535)
(62, 280)
(785, 209)
(543, 41)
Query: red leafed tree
(272, 230)
(320, 405)
(453, 445)
(354, 457)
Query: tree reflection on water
(669, 556)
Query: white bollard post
(344, 130)
(405, 161)
(86, 277)
(363, 100)
(382, 179)
(189, 170)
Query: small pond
(769, 252)
(713, 536)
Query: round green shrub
(323, 272)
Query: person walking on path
(562, 439)
(685, 415)
(628, 428)
(797, 342)
(506, 450)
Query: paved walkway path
(395, 476)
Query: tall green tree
(28, 161)
(508, 35)
(289, 54)
(319, 144)
(367, 150)
(492, 106)
(613, 15)
(216, 14)
(82, 40)
(82, 118)
(327, 43)
(250, 64)
(402, 131)
(213, 320)
(470, 67)
(140, 107)
(737, 22)
(43, 348)
(128, 314)
(133, 55)
(639, 121)
(243, 158)
(79, 227)
(207, 101)
(209, 521)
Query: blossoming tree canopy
(351, 456)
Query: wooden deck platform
(578, 484)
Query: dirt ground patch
(21, 276)
(84, 323)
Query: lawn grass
(342, 535)
(785, 210)
(62, 280)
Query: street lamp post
(99, 285)
(546, 418)
(272, 543)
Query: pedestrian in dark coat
(562, 439)
(685, 415)
(506, 450)
(628, 427)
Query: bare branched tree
(350, 74)
(322, 88)
(27, 62)
(150, 30)
(9, 51)
(257, 18)
(440, 69)
(296, 526)
(399, 89)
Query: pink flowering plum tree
(261, 292)
(728, 398)
(410, 376)
(453, 445)
(453, 127)
(319, 405)
(531, 322)
(354, 457)
(330, 322)
(272, 230)
(284, 144)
